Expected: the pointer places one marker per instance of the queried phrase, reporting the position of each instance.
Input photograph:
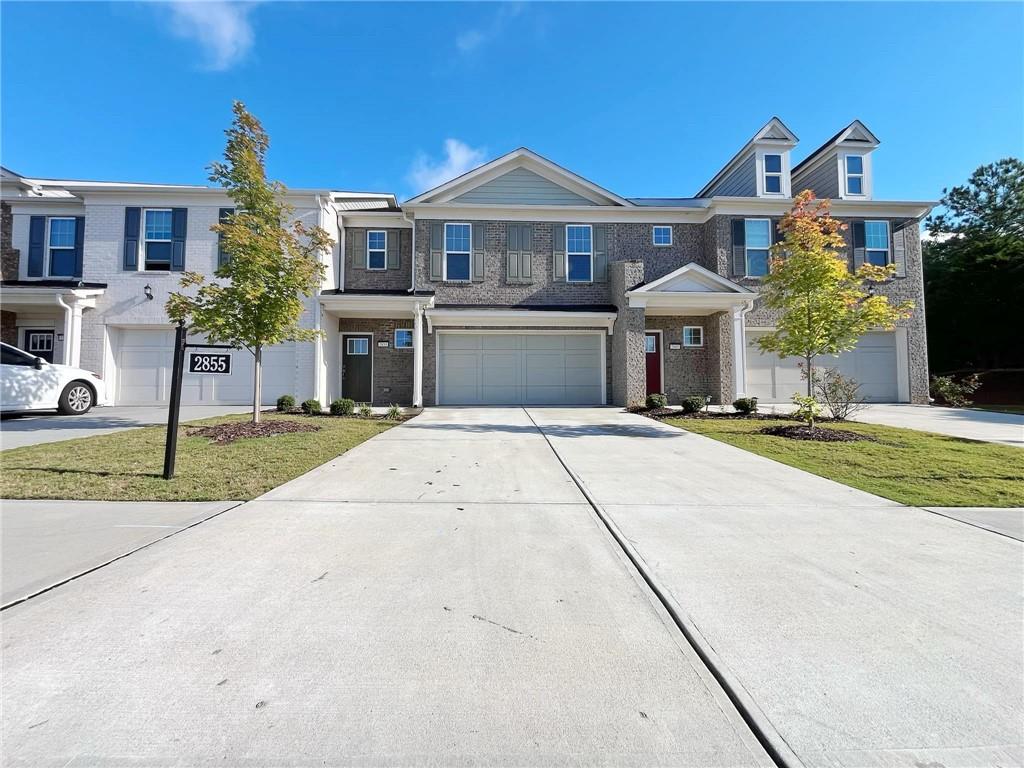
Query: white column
(739, 351)
(75, 355)
(417, 356)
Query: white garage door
(514, 369)
(145, 361)
(872, 364)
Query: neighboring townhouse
(518, 282)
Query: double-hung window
(156, 236)
(773, 174)
(376, 249)
(854, 175)
(876, 243)
(662, 235)
(758, 240)
(61, 246)
(693, 336)
(579, 253)
(457, 239)
(403, 338)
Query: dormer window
(854, 174)
(773, 174)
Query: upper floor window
(376, 249)
(876, 242)
(579, 253)
(61, 247)
(854, 175)
(757, 241)
(156, 235)
(773, 174)
(662, 235)
(457, 239)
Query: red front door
(652, 344)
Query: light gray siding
(742, 182)
(522, 187)
(823, 180)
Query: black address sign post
(203, 363)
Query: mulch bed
(803, 432)
(223, 434)
(676, 413)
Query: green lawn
(916, 468)
(126, 466)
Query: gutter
(412, 258)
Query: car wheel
(76, 398)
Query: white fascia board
(743, 206)
(500, 318)
(727, 285)
(47, 206)
(683, 303)
(364, 305)
(22, 295)
(389, 219)
(558, 213)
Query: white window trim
(746, 248)
(785, 182)
(569, 253)
(765, 173)
(377, 250)
(693, 328)
(141, 261)
(48, 265)
(412, 338)
(348, 341)
(888, 241)
(654, 239)
(864, 175)
(469, 253)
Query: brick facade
(688, 370)
(358, 277)
(392, 368)
(9, 255)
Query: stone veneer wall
(392, 368)
(9, 256)
(629, 373)
(687, 370)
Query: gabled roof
(692, 277)
(856, 133)
(520, 158)
(772, 131)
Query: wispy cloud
(222, 29)
(469, 40)
(428, 172)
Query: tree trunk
(257, 384)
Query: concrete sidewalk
(868, 634)
(439, 595)
(47, 542)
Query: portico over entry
(693, 291)
(44, 317)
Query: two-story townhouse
(517, 282)
(530, 284)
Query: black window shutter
(36, 245)
(79, 243)
(858, 244)
(222, 257)
(179, 225)
(132, 226)
(739, 254)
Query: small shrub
(807, 409)
(365, 410)
(955, 393)
(693, 404)
(311, 406)
(745, 405)
(343, 407)
(839, 393)
(657, 400)
(394, 413)
(285, 403)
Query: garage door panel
(534, 369)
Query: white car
(29, 383)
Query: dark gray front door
(357, 367)
(40, 344)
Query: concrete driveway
(988, 426)
(21, 429)
(442, 594)
(866, 633)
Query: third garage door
(520, 368)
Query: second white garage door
(520, 369)
(872, 364)
(145, 359)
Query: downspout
(318, 310)
(412, 288)
(67, 328)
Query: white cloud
(222, 29)
(427, 173)
(471, 39)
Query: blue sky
(645, 99)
